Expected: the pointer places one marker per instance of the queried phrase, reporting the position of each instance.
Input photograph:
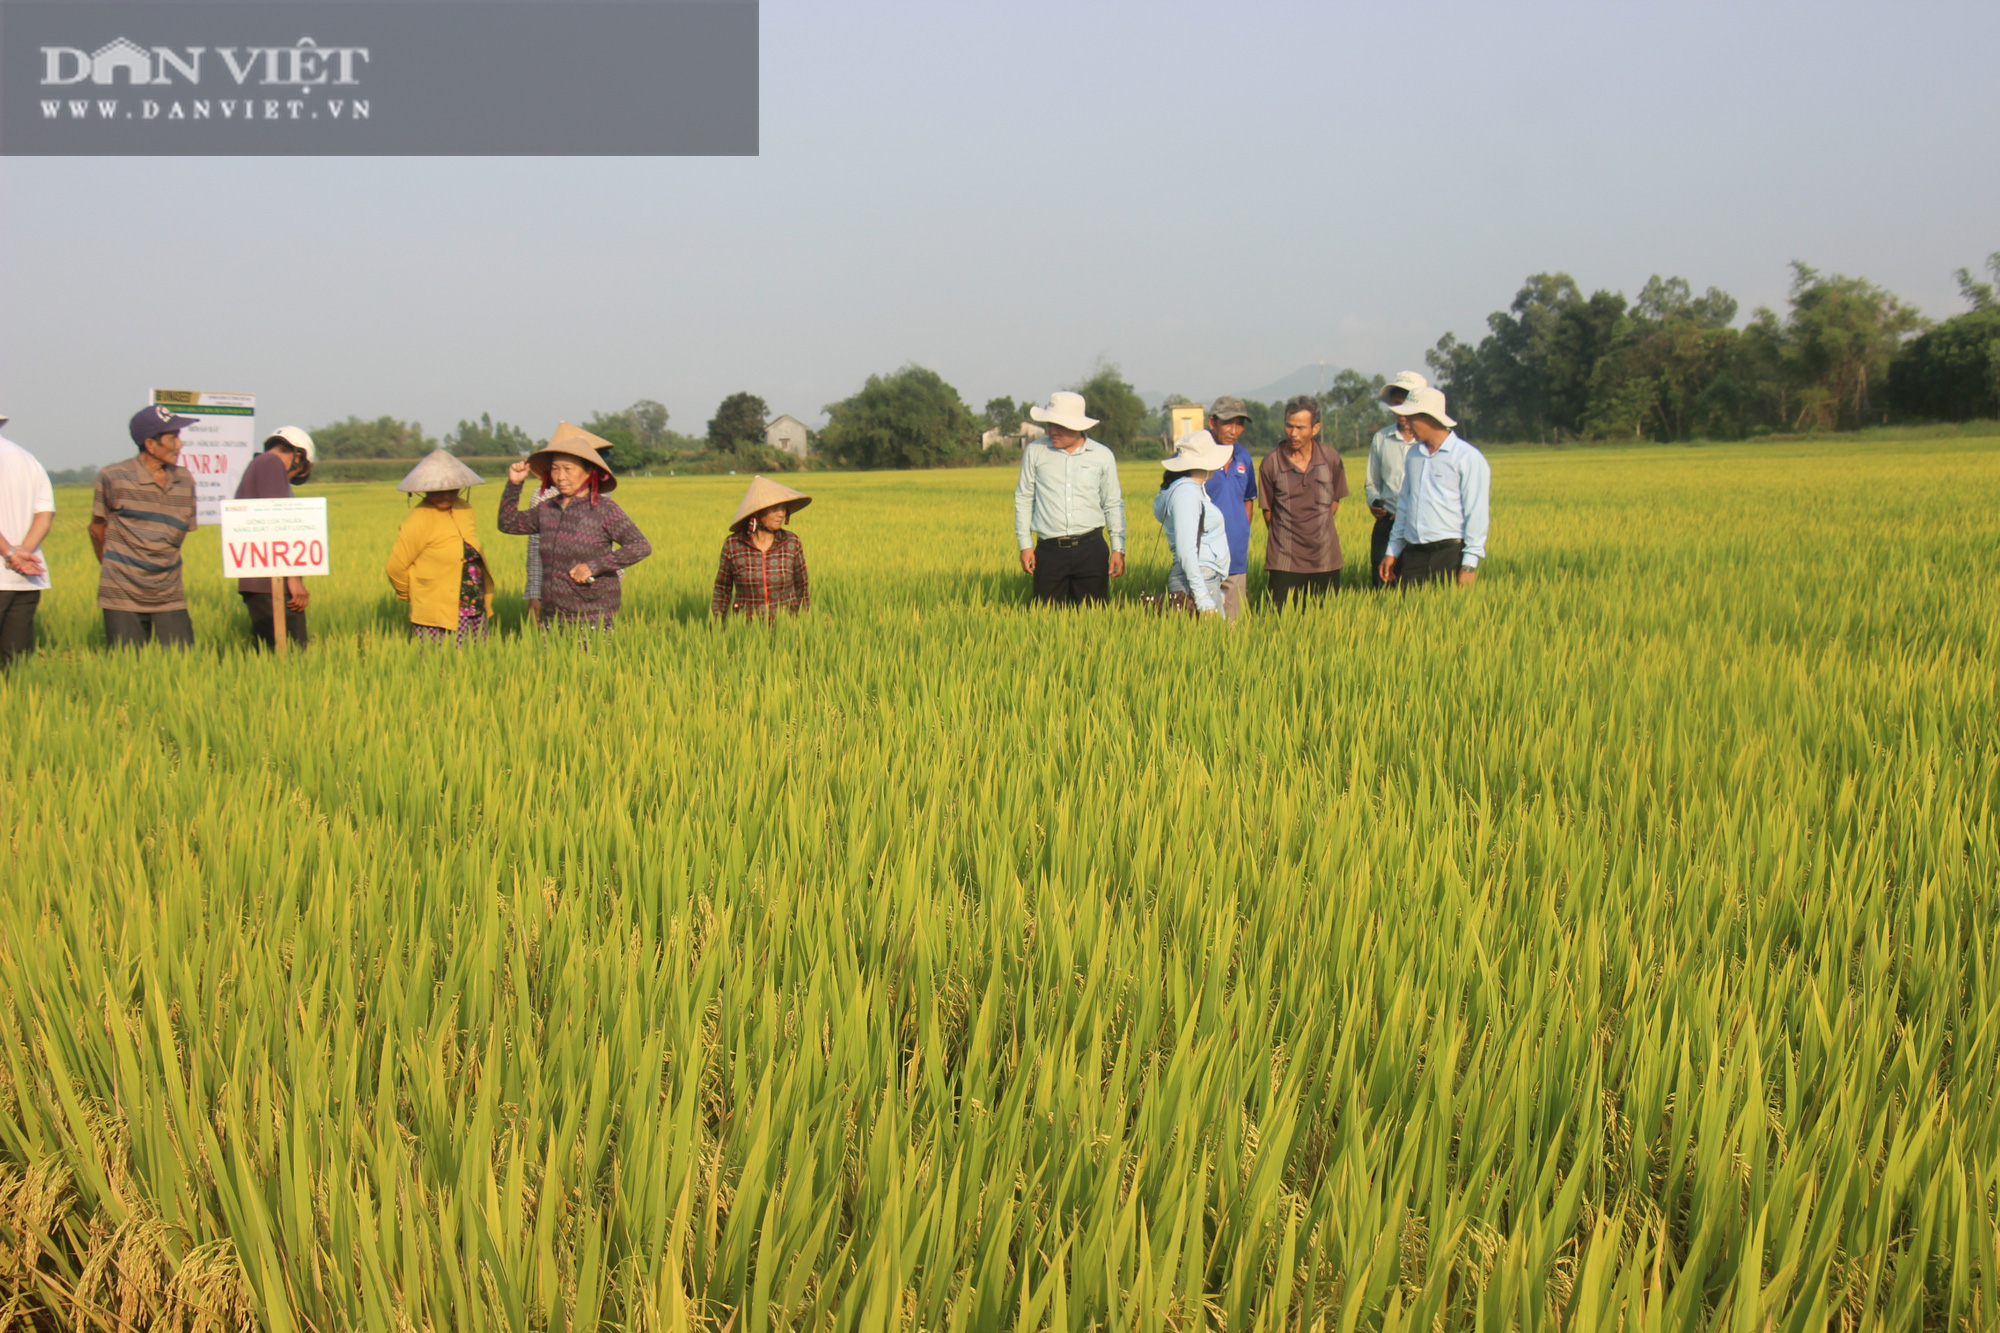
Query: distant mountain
(1306, 379)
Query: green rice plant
(1608, 945)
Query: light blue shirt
(1443, 499)
(1185, 510)
(1062, 494)
(1385, 467)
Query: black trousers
(1284, 583)
(258, 604)
(136, 629)
(1429, 562)
(1067, 575)
(17, 623)
(1378, 546)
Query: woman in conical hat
(437, 566)
(587, 540)
(763, 565)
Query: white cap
(1065, 410)
(1426, 402)
(297, 438)
(1409, 381)
(1199, 449)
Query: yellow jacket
(426, 567)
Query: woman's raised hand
(517, 472)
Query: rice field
(1614, 944)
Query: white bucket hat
(297, 438)
(439, 471)
(1409, 381)
(1198, 449)
(1425, 402)
(1066, 410)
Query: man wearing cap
(27, 507)
(1440, 530)
(288, 457)
(1233, 487)
(142, 511)
(1386, 453)
(1068, 499)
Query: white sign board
(269, 538)
(217, 447)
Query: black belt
(1432, 546)
(1075, 538)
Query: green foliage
(384, 437)
(1351, 410)
(1004, 414)
(1979, 295)
(1557, 364)
(934, 962)
(908, 419)
(639, 437)
(738, 421)
(1674, 370)
(1836, 341)
(1120, 411)
(487, 438)
(1950, 372)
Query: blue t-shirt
(1229, 488)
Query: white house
(1023, 437)
(789, 434)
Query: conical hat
(577, 443)
(764, 493)
(439, 471)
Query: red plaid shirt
(756, 582)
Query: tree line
(639, 436)
(1673, 365)
(1556, 365)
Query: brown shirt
(144, 526)
(1303, 538)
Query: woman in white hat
(1193, 524)
(763, 565)
(588, 541)
(437, 566)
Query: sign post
(275, 539)
(217, 447)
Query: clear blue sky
(1209, 194)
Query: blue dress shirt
(1444, 499)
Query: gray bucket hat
(439, 471)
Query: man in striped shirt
(143, 510)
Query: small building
(788, 434)
(1027, 433)
(1184, 418)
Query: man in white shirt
(1066, 506)
(27, 507)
